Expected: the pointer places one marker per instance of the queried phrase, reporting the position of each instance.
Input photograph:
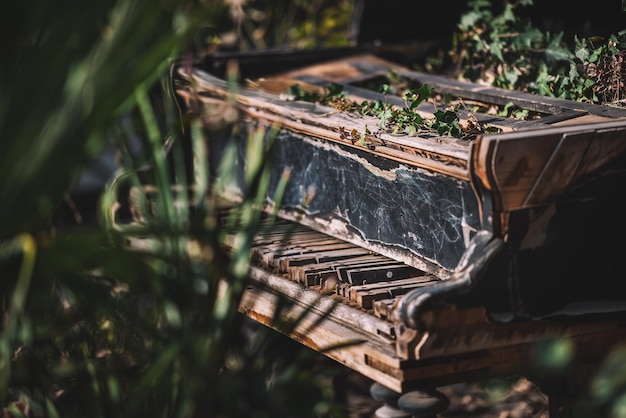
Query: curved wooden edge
(532, 168)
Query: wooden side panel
(561, 168)
(608, 144)
(531, 168)
(517, 164)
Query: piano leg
(416, 404)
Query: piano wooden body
(446, 259)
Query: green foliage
(73, 65)
(134, 318)
(509, 52)
(503, 46)
(603, 65)
(392, 119)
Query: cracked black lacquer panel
(386, 203)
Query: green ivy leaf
(573, 71)
(495, 48)
(596, 55)
(335, 90)
(511, 77)
(508, 14)
(555, 51)
(410, 130)
(528, 37)
(469, 20)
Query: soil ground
(519, 398)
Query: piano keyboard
(355, 276)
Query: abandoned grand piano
(446, 259)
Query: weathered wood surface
(445, 155)
(415, 208)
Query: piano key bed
(346, 293)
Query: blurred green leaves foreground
(91, 327)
